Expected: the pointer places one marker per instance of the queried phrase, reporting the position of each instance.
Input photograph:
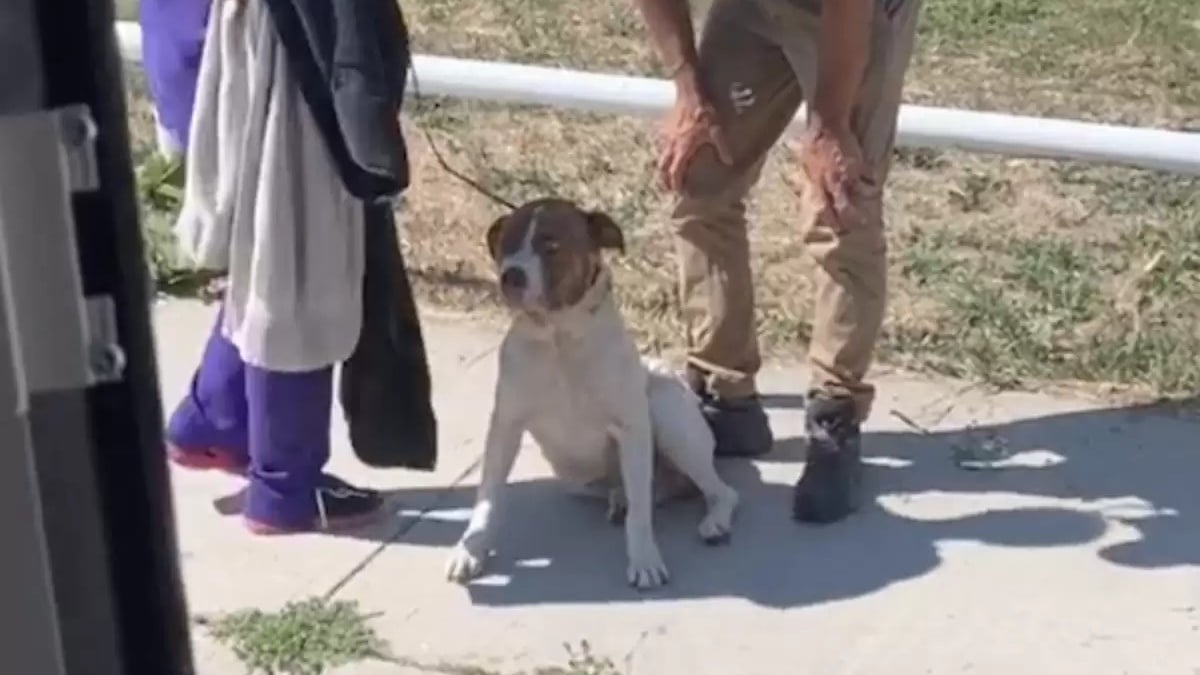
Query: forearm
(843, 52)
(670, 26)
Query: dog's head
(548, 253)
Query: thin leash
(471, 182)
(592, 400)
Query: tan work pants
(758, 59)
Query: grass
(313, 636)
(304, 638)
(1010, 272)
(126, 10)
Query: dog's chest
(575, 408)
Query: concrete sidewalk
(1083, 556)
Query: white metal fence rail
(1159, 149)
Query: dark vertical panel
(124, 418)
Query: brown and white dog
(608, 423)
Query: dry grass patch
(1007, 271)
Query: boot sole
(348, 524)
(206, 460)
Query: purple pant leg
(173, 33)
(289, 444)
(214, 413)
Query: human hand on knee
(690, 125)
(831, 168)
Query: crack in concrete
(402, 529)
(407, 524)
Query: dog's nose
(514, 279)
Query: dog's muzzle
(514, 286)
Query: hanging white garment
(264, 202)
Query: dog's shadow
(559, 549)
(1138, 467)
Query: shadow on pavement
(1140, 466)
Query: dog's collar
(596, 294)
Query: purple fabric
(289, 444)
(280, 420)
(214, 413)
(172, 44)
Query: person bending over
(736, 93)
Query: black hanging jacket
(350, 59)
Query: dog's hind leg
(618, 505)
(684, 439)
(669, 484)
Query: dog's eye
(551, 247)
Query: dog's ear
(605, 231)
(493, 237)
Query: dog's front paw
(464, 564)
(717, 525)
(646, 567)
